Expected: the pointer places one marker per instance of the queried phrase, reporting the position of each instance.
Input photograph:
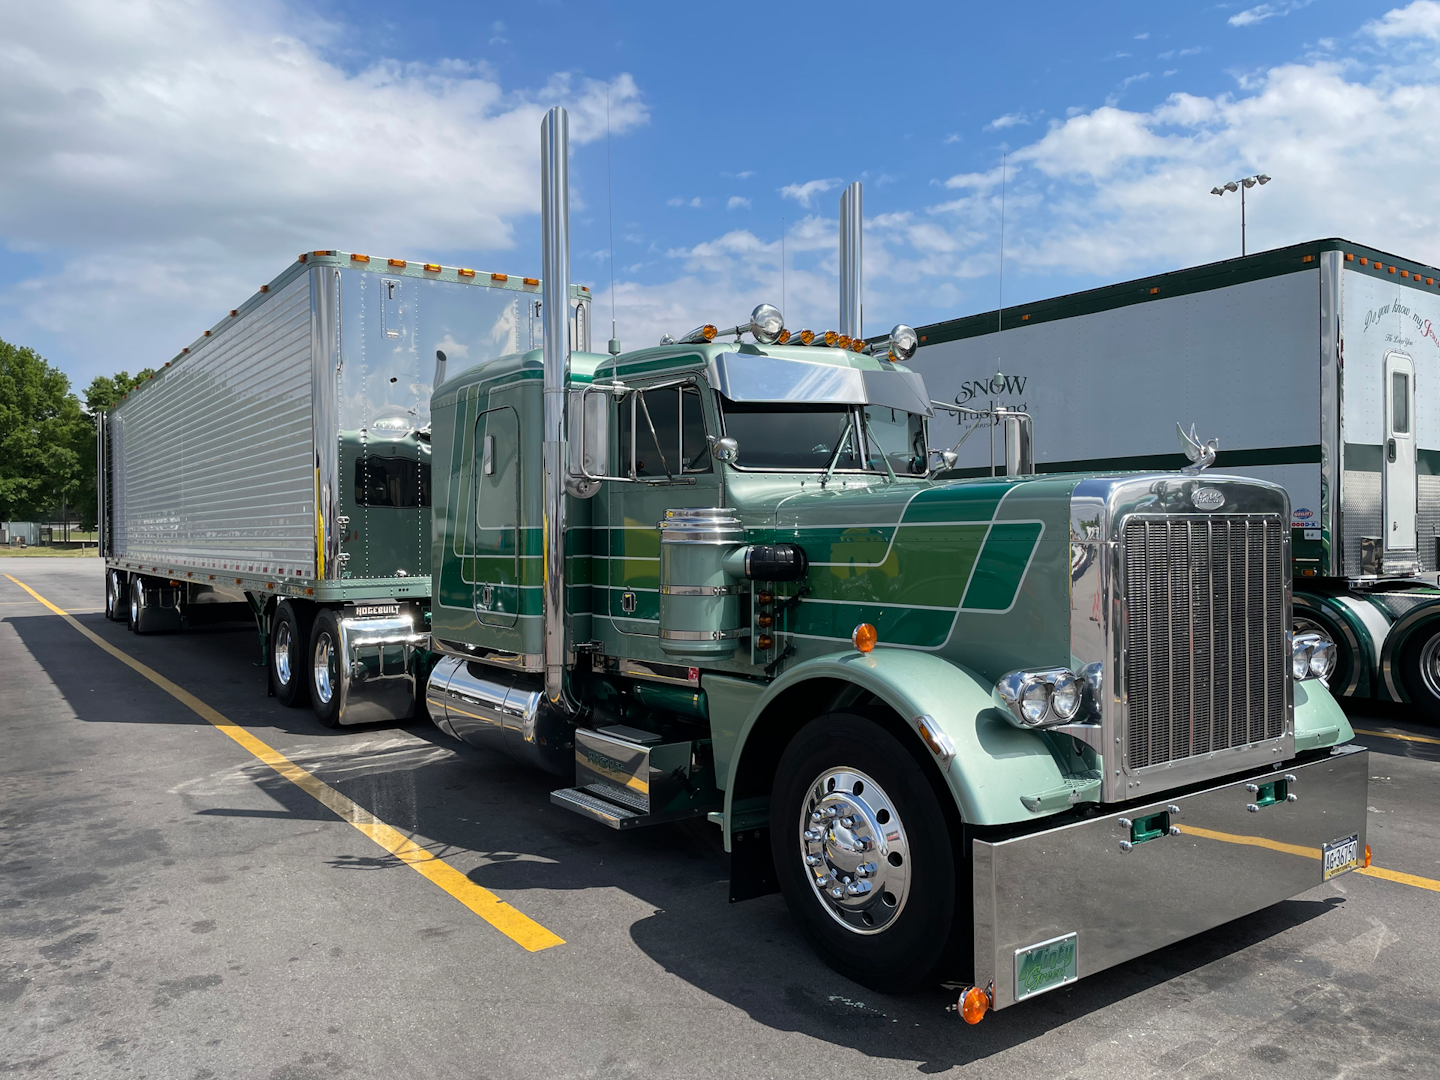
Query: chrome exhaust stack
(555, 313)
(852, 312)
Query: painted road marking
(1310, 853)
(1397, 735)
(511, 922)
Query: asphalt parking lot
(172, 906)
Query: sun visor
(755, 377)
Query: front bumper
(1226, 861)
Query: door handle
(1390, 449)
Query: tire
(116, 603)
(324, 669)
(289, 641)
(135, 609)
(905, 932)
(1419, 663)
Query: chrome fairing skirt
(1205, 635)
(1227, 861)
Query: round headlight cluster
(1041, 698)
(1312, 656)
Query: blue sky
(168, 157)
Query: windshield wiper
(835, 457)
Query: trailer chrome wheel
(326, 670)
(853, 847)
(288, 628)
(115, 596)
(137, 604)
(901, 919)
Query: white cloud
(1420, 20)
(1142, 37)
(1009, 120)
(953, 137)
(149, 135)
(735, 202)
(680, 200)
(803, 193)
(739, 175)
(1261, 12)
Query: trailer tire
(289, 641)
(1419, 663)
(135, 609)
(325, 669)
(116, 605)
(896, 934)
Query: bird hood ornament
(1201, 455)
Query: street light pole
(1241, 185)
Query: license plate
(1045, 966)
(1341, 856)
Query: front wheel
(1419, 663)
(864, 855)
(326, 689)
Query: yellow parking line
(1397, 735)
(1310, 853)
(514, 924)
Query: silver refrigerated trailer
(1316, 366)
(278, 469)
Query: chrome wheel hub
(854, 849)
(1430, 665)
(325, 668)
(282, 653)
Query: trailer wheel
(288, 653)
(326, 669)
(115, 603)
(864, 855)
(135, 610)
(1419, 663)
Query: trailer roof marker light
(1154, 289)
(1392, 270)
(264, 288)
(1364, 261)
(360, 258)
(1024, 318)
(863, 637)
(1308, 258)
(533, 282)
(1349, 256)
(499, 277)
(207, 333)
(465, 271)
(401, 263)
(234, 312)
(330, 253)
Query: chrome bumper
(1226, 861)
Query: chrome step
(601, 810)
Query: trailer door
(1398, 466)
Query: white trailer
(1316, 366)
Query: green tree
(105, 392)
(44, 436)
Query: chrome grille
(1205, 634)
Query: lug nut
(865, 869)
(1252, 808)
(863, 843)
(858, 888)
(1123, 822)
(1174, 830)
(1172, 808)
(849, 821)
(813, 860)
(1252, 788)
(1292, 797)
(813, 835)
(1126, 845)
(838, 892)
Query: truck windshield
(794, 436)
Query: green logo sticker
(1045, 966)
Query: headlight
(1034, 702)
(1032, 699)
(1312, 656)
(1065, 695)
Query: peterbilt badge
(1207, 498)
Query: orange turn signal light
(864, 637)
(974, 1004)
(708, 332)
(1367, 855)
(843, 341)
(806, 336)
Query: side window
(391, 481)
(1399, 403)
(664, 446)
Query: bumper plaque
(1045, 966)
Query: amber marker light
(831, 338)
(863, 637)
(358, 258)
(531, 281)
(465, 272)
(499, 277)
(807, 336)
(974, 1004)
(783, 338)
(434, 268)
(842, 342)
(1367, 855)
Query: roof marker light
(401, 263)
(805, 337)
(233, 312)
(499, 277)
(264, 288)
(829, 338)
(1349, 256)
(434, 268)
(842, 342)
(325, 253)
(465, 271)
(533, 281)
(699, 335)
(360, 258)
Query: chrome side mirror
(942, 460)
(724, 449)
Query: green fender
(995, 764)
(1319, 720)
(1420, 619)
(1362, 629)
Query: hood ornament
(1201, 455)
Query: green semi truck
(1009, 730)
